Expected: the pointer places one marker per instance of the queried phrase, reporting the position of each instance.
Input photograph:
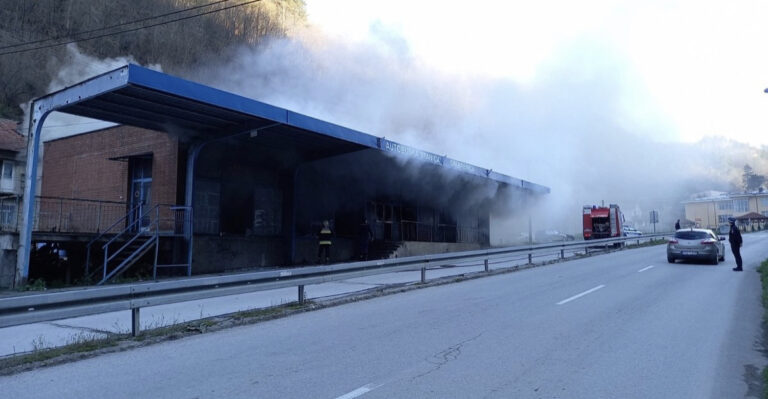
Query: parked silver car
(700, 244)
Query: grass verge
(763, 269)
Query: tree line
(180, 46)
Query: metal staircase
(140, 234)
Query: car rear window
(691, 235)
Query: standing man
(364, 238)
(324, 243)
(734, 237)
(677, 224)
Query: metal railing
(428, 232)
(61, 215)
(143, 229)
(72, 215)
(59, 305)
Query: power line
(129, 30)
(112, 26)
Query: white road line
(577, 296)
(359, 391)
(645, 268)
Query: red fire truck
(602, 222)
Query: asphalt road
(621, 325)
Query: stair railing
(136, 224)
(104, 233)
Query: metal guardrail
(25, 309)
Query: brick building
(252, 182)
(120, 164)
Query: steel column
(292, 243)
(36, 120)
(192, 154)
(302, 295)
(485, 263)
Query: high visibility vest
(325, 236)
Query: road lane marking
(645, 268)
(359, 391)
(577, 296)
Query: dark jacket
(325, 236)
(734, 236)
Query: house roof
(751, 215)
(138, 96)
(10, 138)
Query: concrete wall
(342, 250)
(214, 254)
(416, 248)
(9, 243)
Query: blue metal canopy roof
(138, 96)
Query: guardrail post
(530, 259)
(135, 322)
(562, 254)
(485, 263)
(302, 295)
(423, 274)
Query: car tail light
(708, 241)
(673, 241)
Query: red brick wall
(80, 166)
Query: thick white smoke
(74, 67)
(571, 129)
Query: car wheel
(722, 257)
(714, 259)
(670, 259)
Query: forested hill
(186, 34)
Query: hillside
(187, 35)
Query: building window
(740, 205)
(725, 205)
(6, 176)
(7, 215)
(722, 219)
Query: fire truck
(602, 222)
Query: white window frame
(725, 205)
(740, 205)
(7, 184)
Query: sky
(689, 69)
(597, 100)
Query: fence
(62, 215)
(25, 309)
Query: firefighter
(734, 237)
(324, 243)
